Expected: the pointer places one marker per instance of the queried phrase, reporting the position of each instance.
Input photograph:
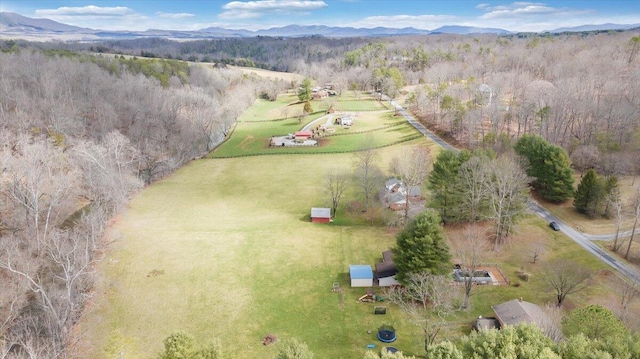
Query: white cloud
(259, 8)
(97, 17)
(181, 15)
(90, 10)
(482, 6)
(427, 22)
(528, 10)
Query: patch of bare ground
(516, 249)
(269, 74)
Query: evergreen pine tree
(422, 247)
(549, 165)
(442, 183)
(590, 194)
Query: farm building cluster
(320, 93)
(362, 275)
(312, 132)
(396, 195)
(297, 139)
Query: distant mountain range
(17, 26)
(602, 27)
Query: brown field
(269, 74)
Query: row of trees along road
(600, 196)
(80, 135)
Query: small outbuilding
(346, 121)
(320, 215)
(386, 270)
(303, 135)
(361, 275)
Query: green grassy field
(223, 248)
(277, 118)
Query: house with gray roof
(518, 311)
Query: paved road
(418, 125)
(611, 236)
(582, 239)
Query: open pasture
(224, 249)
(266, 119)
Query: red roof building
(320, 215)
(303, 135)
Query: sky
(263, 14)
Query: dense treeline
(579, 92)
(80, 134)
(274, 53)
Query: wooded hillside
(81, 134)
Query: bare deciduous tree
(507, 188)
(109, 170)
(471, 250)
(565, 277)
(536, 250)
(636, 213)
(615, 203)
(412, 166)
(335, 185)
(585, 157)
(428, 300)
(472, 178)
(367, 174)
(627, 291)
(551, 323)
(49, 314)
(41, 180)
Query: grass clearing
(223, 248)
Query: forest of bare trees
(80, 133)
(77, 142)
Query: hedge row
(282, 118)
(366, 131)
(278, 152)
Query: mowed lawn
(265, 119)
(224, 249)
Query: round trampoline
(390, 349)
(387, 334)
